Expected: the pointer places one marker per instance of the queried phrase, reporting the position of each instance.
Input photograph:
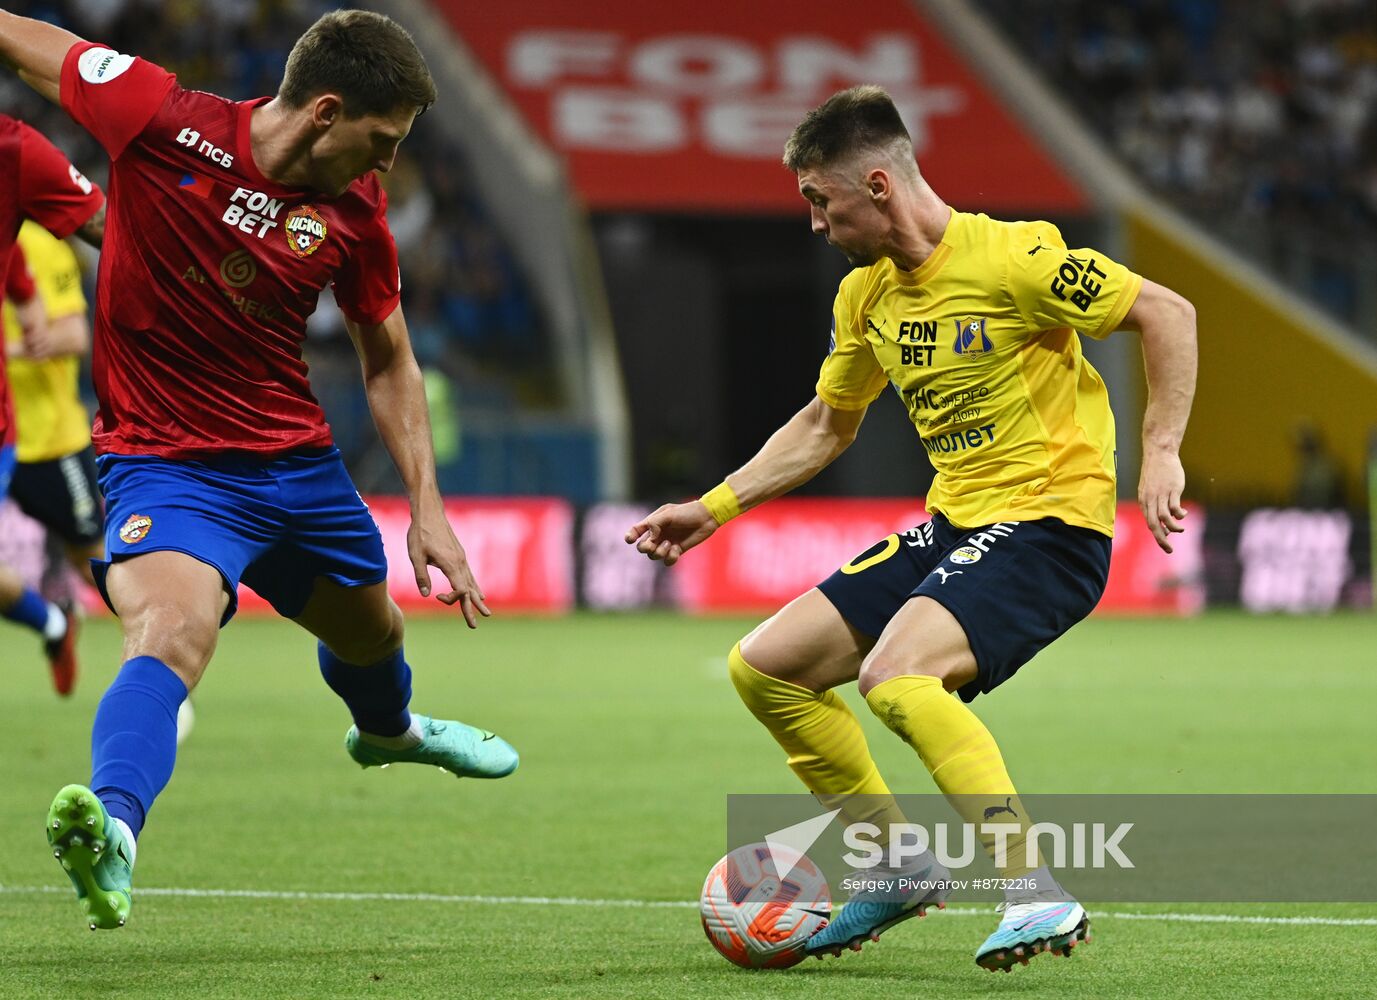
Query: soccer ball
(754, 918)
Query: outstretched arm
(396, 395)
(794, 454)
(36, 49)
(1167, 323)
(92, 231)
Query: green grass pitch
(631, 737)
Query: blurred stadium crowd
(469, 310)
(1257, 119)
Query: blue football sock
(376, 695)
(30, 610)
(134, 738)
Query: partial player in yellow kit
(976, 324)
(54, 479)
(54, 482)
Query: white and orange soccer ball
(756, 919)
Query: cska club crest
(136, 528)
(970, 337)
(306, 230)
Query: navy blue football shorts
(1013, 586)
(275, 524)
(61, 495)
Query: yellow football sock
(823, 739)
(962, 757)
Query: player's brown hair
(850, 121)
(368, 59)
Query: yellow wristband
(721, 502)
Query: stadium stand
(1255, 119)
(472, 317)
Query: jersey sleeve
(19, 283)
(112, 95)
(1055, 288)
(851, 377)
(52, 192)
(369, 286)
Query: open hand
(1159, 495)
(672, 530)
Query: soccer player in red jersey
(226, 222)
(37, 182)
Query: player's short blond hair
(862, 119)
(368, 59)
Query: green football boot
(462, 750)
(95, 854)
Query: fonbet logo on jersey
(101, 65)
(306, 230)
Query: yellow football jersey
(980, 343)
(52, 422)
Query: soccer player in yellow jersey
(54, 479)
(976, 324)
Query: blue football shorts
(1014, 587)
(275, 524)
(7, 464)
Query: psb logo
(136, 529)
(971, 339)
(238, 268)
(306, 230)
(965, 555)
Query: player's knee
(183, 638)
(763, 692)
(751, 666)
(885, 664)
(372, 641)
(742, 674)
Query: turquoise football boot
(1029, 929)
(873, 910)
(462, 750)
(95, 855)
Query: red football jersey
(36, 182)
(19, 286)
(209, 270)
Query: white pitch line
(431, 897)
(391, 897)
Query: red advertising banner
(767, 558)
(770, 556)
(523, 554)
(1145, 580)
(687, 106)
(521, 551)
